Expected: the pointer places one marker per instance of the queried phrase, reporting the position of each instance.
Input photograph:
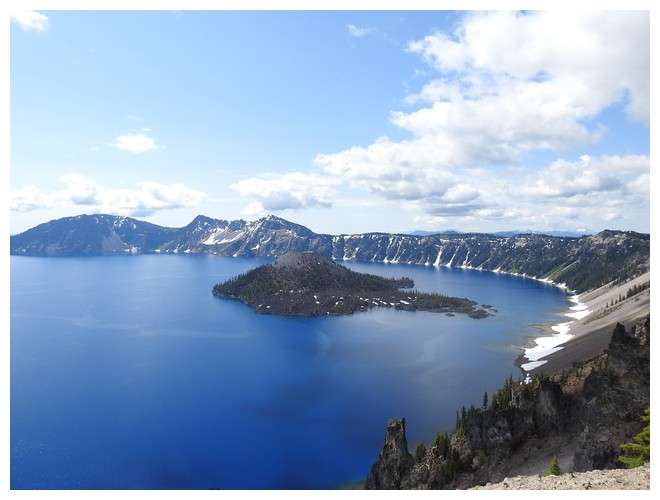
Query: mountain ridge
(579, 263)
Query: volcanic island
(310, 284)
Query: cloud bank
(144, 201)
(505, 86)
(292, 191)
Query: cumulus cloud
(30, 20)
(588, 176)
(530, 89)
(148, 198)
(506, 85)
(137, 143)
(396, 170)
(602, 56)
(293, 190)
(603, 190)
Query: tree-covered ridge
(306, 283)
(299, 272)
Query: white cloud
(359, 31)
(395, 170)
(294, 190)
(594, 190)
(28, 198)
(82, 191)
(30, 20)
(575, 64)
(588, 176)
(508, 85)
(136, 143)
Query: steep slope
(579, 263)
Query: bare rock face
(585, 426)
(547, 406)
(394, 462)
(614, 398)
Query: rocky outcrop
(582, 416)
(613, 398)
(394, 463)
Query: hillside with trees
(309, 284)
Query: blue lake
(126, 373)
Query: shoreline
(586, 333)
(548, 345)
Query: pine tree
(638, 452)
(554, 469)
(420, 451)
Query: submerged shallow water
(126, 373)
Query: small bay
(126, 373)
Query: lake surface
(126, 373)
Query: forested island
(309, 284)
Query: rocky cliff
(581, 416)
(394, 463)
(580, 263)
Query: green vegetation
(510, 394)
(638, 452)
(446, 447)
(553, 469)
(608, 263)
(308, 284)
(269, 280)
(420, 452)
(442, 449)
(614, 304)
(637, 289)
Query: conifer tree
(638, 452)
(554, 469)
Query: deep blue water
(126, 373)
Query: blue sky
(344, 121)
